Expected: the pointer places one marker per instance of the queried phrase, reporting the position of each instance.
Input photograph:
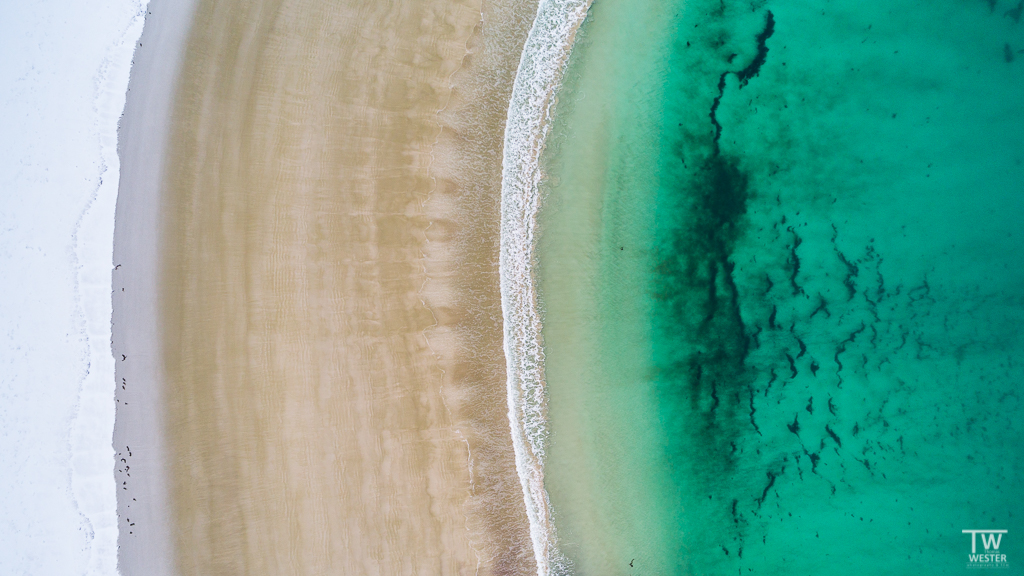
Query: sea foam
(538, 78)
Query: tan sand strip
(308, 428)
(464, 291)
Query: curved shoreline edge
(144, 532)
(91, 453)
(541, 68)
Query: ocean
(762, 286)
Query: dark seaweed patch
(774, 377)
(1015, 13)
(795, 426)
(814, 457)
(842, 348)
(752, 411)
(754, 67)
(822, 307)
(794, 263)
(771, 482)
(714, 108)
(834, 436)
(792, 366)
(744, 75)
(706, 341)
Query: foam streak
(538, 78)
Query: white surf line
(528, 123)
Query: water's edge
(144, 542)
(538, 78)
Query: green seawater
(781, 269)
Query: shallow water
(780, 283)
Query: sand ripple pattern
(308, 430)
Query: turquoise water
(780, 270)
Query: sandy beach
(463, 291)
(144, 520)
(317, 320)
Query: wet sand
(331, 321)
(144, 521)
(464, 292)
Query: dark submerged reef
(703, 341)
(743, 344)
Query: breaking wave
(538, 78)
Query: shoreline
(528, 124)
(463, 339)
(466, 300)
(144, 521)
